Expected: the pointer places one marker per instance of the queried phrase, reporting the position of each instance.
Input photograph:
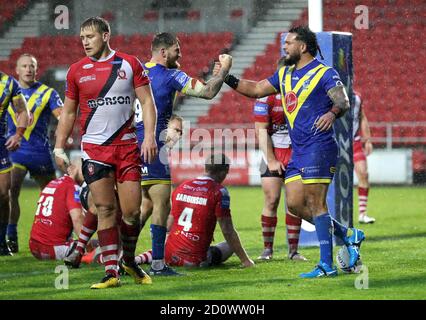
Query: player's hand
(368, 147)
(13, 143)
(61, 159)
(225, 61)
(216, 68)
(276, 166)
(148, 149)
(248, 263)
(325, 122)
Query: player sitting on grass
(196, 207)
(58, 214)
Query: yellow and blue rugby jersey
(165, 84)
(9, 89)
(305, 100)
(41, 101)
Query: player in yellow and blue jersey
(166, 81)
(313, 96)
(34, 154)
(10, 93)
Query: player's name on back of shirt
(191, 199)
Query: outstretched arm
(249, 88)
(231, 236)
(210, 89)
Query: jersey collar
(103, 59)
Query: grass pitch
(394, 252)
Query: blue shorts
(5, 164)
(316, 167)
(157, 172)
(38, 163)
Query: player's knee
(271, 202)
(106, 211)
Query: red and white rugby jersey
(357, 116)
(196, 205)
(52, 222)
(269, 109)
(105, 91)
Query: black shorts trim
(265, 173)
(94, 171)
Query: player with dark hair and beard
(313, 97)
(166, 81)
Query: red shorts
(179, 259)
(50, 252)
(125, 159)
(358, 151)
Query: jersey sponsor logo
(290, 101)
(191, 199)
(182, 78)
(88, 66)
(121, 74)
(261, 109)
(279, 127)
(103, 69)
(87, 78)
(145, 171)
(188, 235)
(108, 101)
(277, 109)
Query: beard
(171, 64)
(290, 60)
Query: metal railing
(390, 138)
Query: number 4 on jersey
(185, 219)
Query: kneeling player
(58, 214)
(196, 207)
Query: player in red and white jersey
(104, 85)
(196, 207)
(362, 147)
(58, 214)
(275, 144)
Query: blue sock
(158, 234)
(12, 232)
(3, 231)
(324, 227)
(340, 231)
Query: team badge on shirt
(290, 101)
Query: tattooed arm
(340, 106)
(210, 89)
(340, 100)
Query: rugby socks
(340, 231)
(362, 200)
(89, 227)
(158, 235)
(108, 242)
(145, 257)
(12, 231)
(3, 231)
(129, 237)
(293, 224)
(269, 225)
(323, 226)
